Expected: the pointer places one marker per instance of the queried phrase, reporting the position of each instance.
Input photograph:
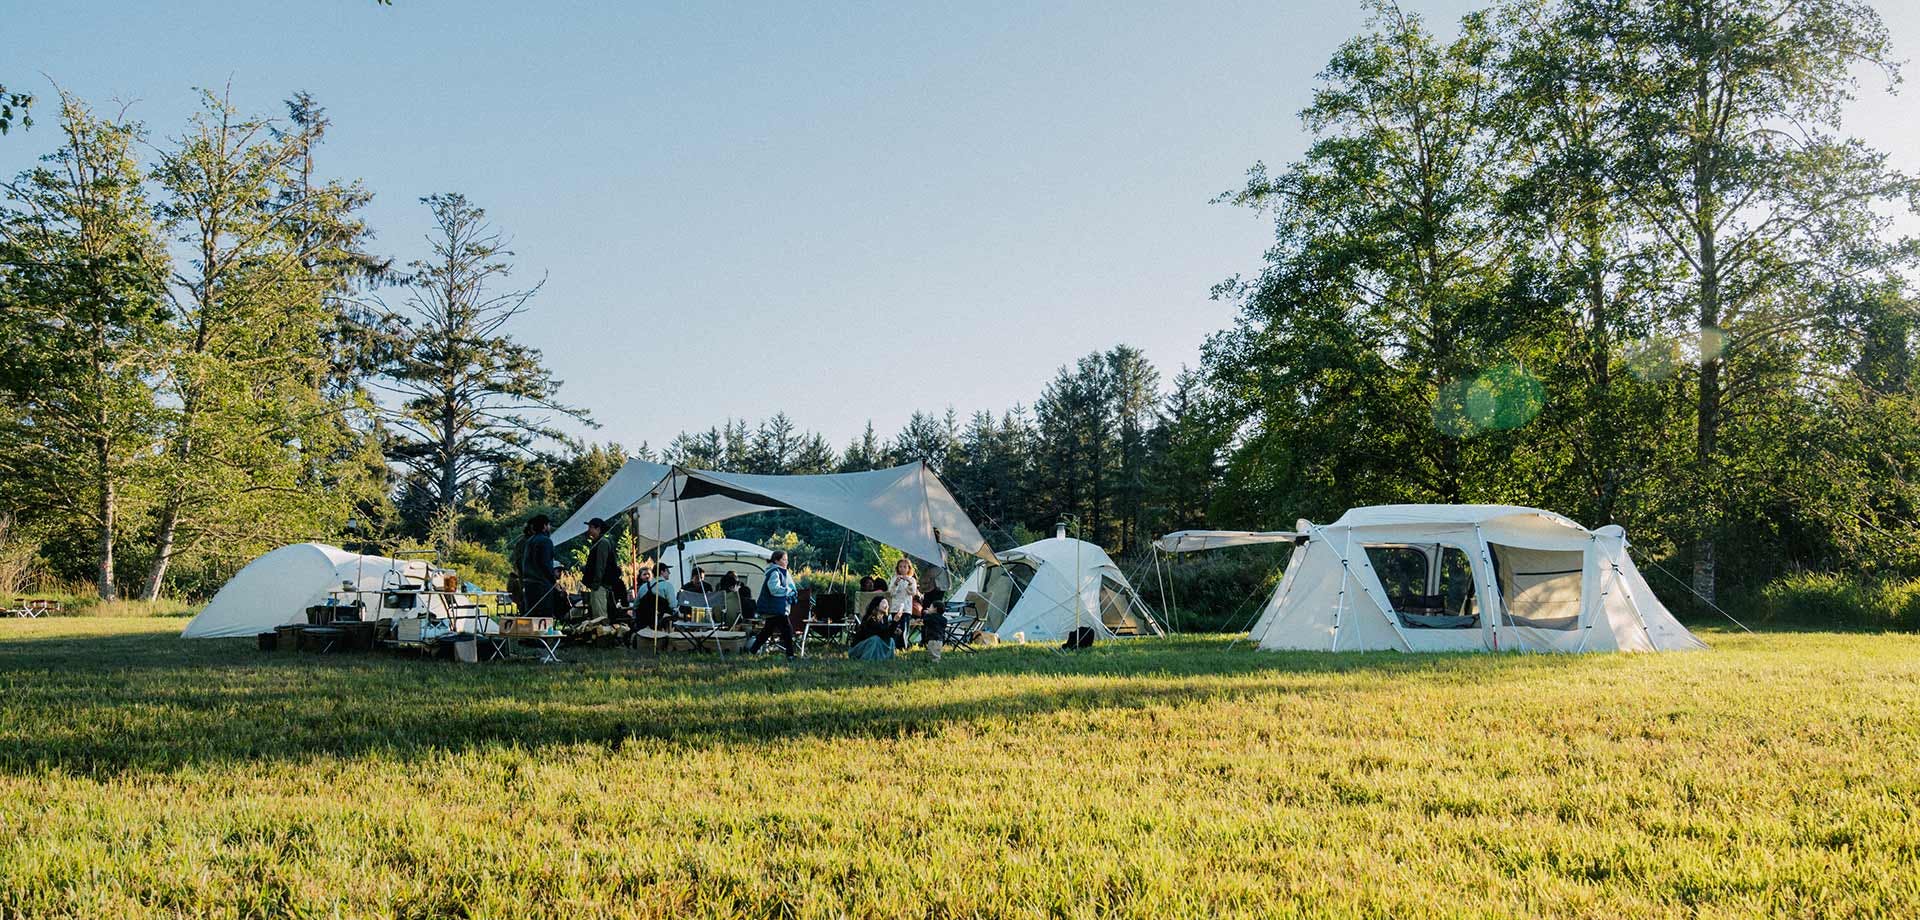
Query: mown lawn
(144, 775)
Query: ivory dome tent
(1431, 578)
(1048, 588)
(277, 587)
(718, 556)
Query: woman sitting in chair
(872, 640)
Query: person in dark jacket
(601, 576)
(516, 560)
(538, 575)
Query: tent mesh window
(1415, 588)
(1456, 585)
(1541, 587)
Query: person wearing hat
(601, 575)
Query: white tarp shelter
(717, 556)
(906, 507)
(1047, 589)
(276, 589)
(1430, 578)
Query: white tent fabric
(276, 588)
(745, 560)
(1193, 541)
(1045, 590)
(1417, 578)
(906, 507)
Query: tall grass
(142, 775)
(1830, 601)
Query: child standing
(901, 592)
(933, 623)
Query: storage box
(526, 626)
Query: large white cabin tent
(1045, 590)
(1430, 578)
(277, 587)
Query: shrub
(1826, 599)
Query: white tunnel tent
(1460, 578)
(277, 587)
(1045, 590)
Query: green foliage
(478, 564)
(1828, 600)
(1139, 779)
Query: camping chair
(828, 620)
(960, 627)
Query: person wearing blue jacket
(776, 601)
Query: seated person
(652, 595)
(872, 639)
(732, 582)
(697, 582)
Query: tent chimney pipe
(1060, 530)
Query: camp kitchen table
(462, 607)
(702, 632)
(549, 643)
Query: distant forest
(1617, 260)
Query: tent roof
(1061, 551)
(906, 507)
(1193, 541)
(1388, 515)
(698, 548)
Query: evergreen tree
(469, 397)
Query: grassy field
(142, 775)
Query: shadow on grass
(101, 706)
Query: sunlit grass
(144, 775)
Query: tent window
(1541, 587)
(1456, 585)
(1402, 571)
(1117, 612)
(1419, 594)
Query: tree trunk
(107, 512)
(162, 551)
(1707, 424)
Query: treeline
(1619, 260)
(1103, 448)
(198, 359)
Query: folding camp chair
(827, 619)
(960, 627)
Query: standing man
(516, 563)
(538, 575)
(776, 599)
(601, 576)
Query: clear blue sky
(880, 207)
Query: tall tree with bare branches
(467, 397)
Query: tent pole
(680, 541)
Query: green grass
(144, 775)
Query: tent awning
(1193, 541)
(906, 507)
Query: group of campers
(882, 628)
